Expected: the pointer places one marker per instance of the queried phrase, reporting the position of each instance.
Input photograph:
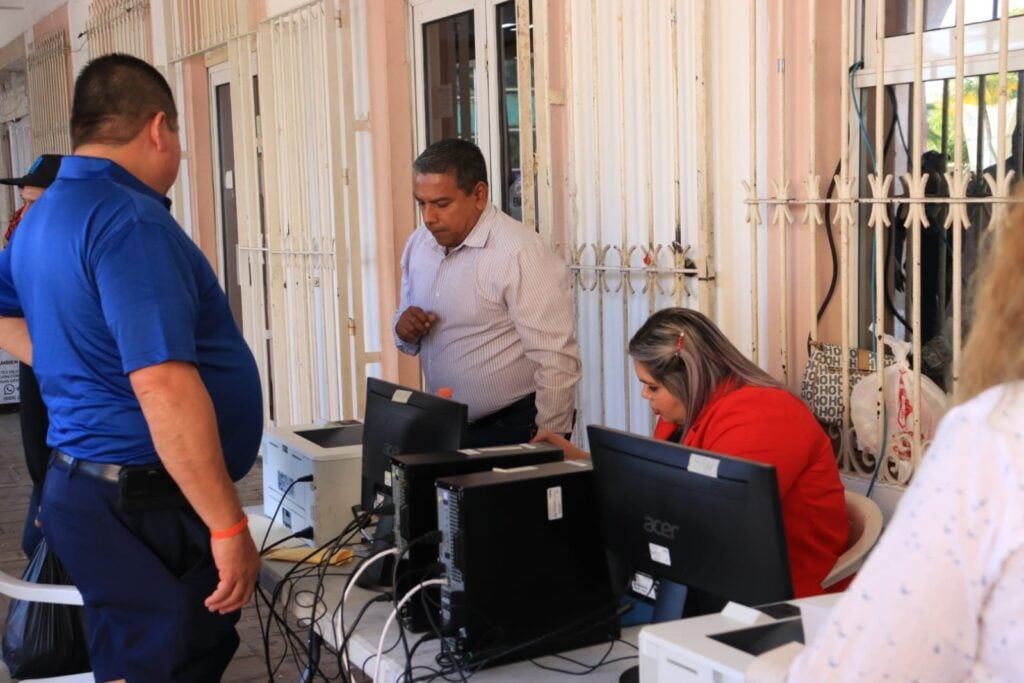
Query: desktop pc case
(414, 493)
(525, 563)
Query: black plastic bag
(43, 639)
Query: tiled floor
(248, 665)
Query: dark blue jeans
(143, 576)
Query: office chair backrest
(865, 519)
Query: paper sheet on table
(300, 553)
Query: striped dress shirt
(505, 325)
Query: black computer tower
(413, 478)
(525, 562)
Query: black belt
(96, 470)
(522, 404)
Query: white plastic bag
(900, 408)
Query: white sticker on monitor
(469, 451)
(554, 503)
(387, 477)
(513, 470)
(643, 584)
(401, 396)
(660, 554)
(702, 464)
(578, 463)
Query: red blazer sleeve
(759, 424)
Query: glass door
(465, 80)
(226, 210)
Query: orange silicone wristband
(231, 531)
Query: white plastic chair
(40, 592)
(865, 519)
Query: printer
(722, 647)
(332, 454)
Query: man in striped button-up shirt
(486, 304)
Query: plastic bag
(43, 639)
(899, 404)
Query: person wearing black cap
(31, 186)
(32, 415)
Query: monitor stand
(668, 606)
(379, 573)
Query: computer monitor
(707, 521)
(402, 420)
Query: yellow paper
(300, 553)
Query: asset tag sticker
(387, 477)
(702, 464)
(401, 396)
(660, 554)
(643, 584)
(554, 503)
(469, 451)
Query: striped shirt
(504, 325)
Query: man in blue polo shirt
(154, 397)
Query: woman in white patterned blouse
(942, 596)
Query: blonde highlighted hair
(994, 352)
(688, 355)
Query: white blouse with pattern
(941, 597)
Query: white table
(296, 597)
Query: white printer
(332, 454)
(721, 647)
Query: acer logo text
(660, 528)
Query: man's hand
(413, 324)
(569, 451)
(238, 565)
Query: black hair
(460, 158)
(115, 96)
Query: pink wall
(56, 19)
(828, 73)
(196, 111)
(558, 31)
(392, 125)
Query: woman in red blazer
(708, 395)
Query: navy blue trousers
(143, 576)
(34, 424)
(515, 423)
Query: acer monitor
(402, 420)
(680, 517)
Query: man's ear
(481, 192)
(157, 130)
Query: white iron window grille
(119, 26)
(49, 103)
